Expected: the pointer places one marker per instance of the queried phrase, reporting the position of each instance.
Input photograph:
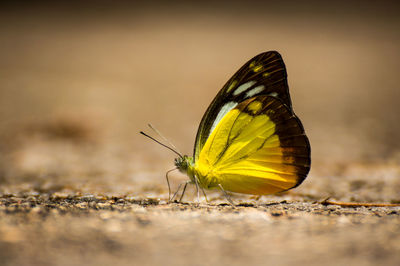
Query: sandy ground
(58, 229)
(80, 186)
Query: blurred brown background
(108, 70)
(80, 79)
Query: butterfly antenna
(162, 144)
(164, 138)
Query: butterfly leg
(226, 195)
(169, 186)
(197, 189)
(204, 193)
(190, 182)
(256, 197)
(176, 193)
(184, 189)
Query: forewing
(265, 74)
(259, 147)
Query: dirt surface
(56, 229)
(80, 186)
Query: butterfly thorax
(185, 165)
(204, 175)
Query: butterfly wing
(259, 147)
(265, 74)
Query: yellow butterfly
(249, 140)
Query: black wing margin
(264, 74)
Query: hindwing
(259, 147)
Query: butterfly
(250, 140)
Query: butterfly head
(186, 166)
(183, 163)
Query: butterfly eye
(180, 163)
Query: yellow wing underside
(244, 152)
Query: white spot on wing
(224, 110)
(244, 87)
(273, 94)
(254, 91)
